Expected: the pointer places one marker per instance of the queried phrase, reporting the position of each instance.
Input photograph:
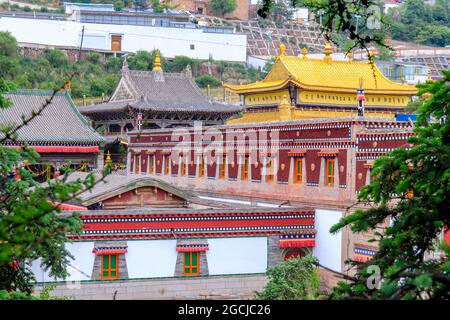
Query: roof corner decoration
(188, 71)
(305, 52)
(282, 49)
(327, 51)
(125, 69)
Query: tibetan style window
(191, 263)
(110, 267)
(329, 171)
(201, 169)
(166, 165)
(222, 167)
(245, 167)
(269, 168)
(298, 170)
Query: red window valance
(109, 250)
(328, 153)
(192, 247)
(62, 149)
(306, 240)
(297, 243)
(297, 153)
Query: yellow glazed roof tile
(331, 75)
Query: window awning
(306, 240)
(192, 248)
(192, 245)
(328, 153)
(297, 153)
(105, 249)
(363, 252)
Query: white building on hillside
(129, 32)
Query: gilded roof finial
(282, 49)
(350, 56)
(304, 52)
(108, 159)
(429, 74)
(327, 51)
(157, 62)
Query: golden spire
(304, 52)
(350, 56)
(108, 159)
(327, 51)
(157, 62)
(282, 49)
(429, 74)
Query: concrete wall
(210, 287)
(171, 41)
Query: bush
(57, 58)
(204, 81)
(294, 279)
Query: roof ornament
(157, 70)
(304, 52)
(125, 68)
(285, 109)
(327, 51)
(188, 71)
(157, 61)
(350, 56)
(282, 49)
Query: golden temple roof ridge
(324, 75)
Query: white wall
(171, 41)
(237, 255)
(328, 246)
(151, 258)
(79, 269)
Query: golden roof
(324, 75)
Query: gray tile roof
(159, 91)
(59, 122)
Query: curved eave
(262, 87)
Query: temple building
(319, 164)
(299, 88)
(166, 242)
(159, 99)
(60, 134)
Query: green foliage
(179, 64)
(417, 21)
(294, 279)
(338, 17)
(223, 7)
(406, 268)
(204, 81)
(56, 58)
(31, 226)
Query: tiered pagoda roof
(59, 123)
(158, 91)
